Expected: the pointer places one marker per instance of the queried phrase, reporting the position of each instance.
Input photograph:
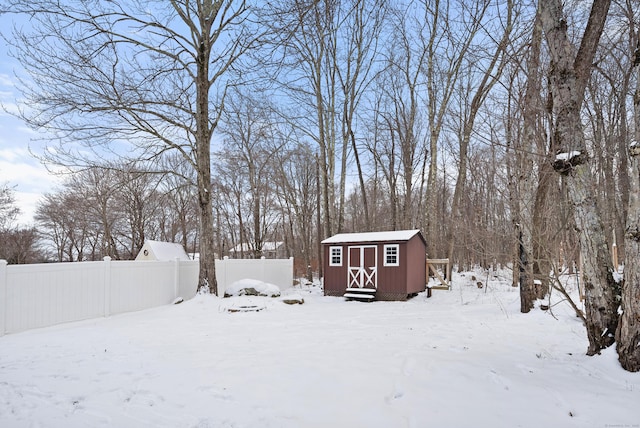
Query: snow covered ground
(463, 358)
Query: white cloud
(9, 108)
(27, 203)
(10, 154)
(6, 80)
(28, 177)
(18, 167)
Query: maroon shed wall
(416, 265)
(335, 277)
(392, 280)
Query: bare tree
(139, 202)
(20, 246)
(400, 151)
(476, 88)
(17, 244)
(95, 192)
(178, 208)
(251, 145)
(323, 62)
(568, 75)
(527, 147)
(148, 77)
(8, 208)
(362, 28)
(607, 108)
(446, 46)
(402, 118)
(51, 224)
(628, 334)
(64, 224)
(305, 70)
(231, 187)
(296, 180)
(110, 212)
(384, 149)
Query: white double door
(362, 266)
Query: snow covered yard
(462, 358)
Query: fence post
(222, 275)
(107, 286)
(176, 277)
(291, 270)
(3, 297)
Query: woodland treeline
(503, 130)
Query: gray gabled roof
(392, 235)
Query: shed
(162, 251)
(388, 265)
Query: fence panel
(3, 296)
(188, 279)
(137, 285)
(274, 271)
(46, 294)
(40, 295)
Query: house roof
(158, 250)
(392, 235)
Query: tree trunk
(600, 286)
(207, 276)
(319, 234)
(568, 77)
(526, 188)
(628, 334)
(459, 188)
(542, 242)
(363, 187)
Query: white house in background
(270, 250)
(162, 251)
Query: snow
(238, 288)
(358, 296)
(465, 357)
(395, 235)
(567, 156)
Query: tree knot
(633, 233)
(566, 161)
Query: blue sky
(18, 167)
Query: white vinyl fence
(40, 295)
(274, 271)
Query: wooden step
(361, 290)
(361, 294)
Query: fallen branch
(556, 284)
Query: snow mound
(567, 156)
(245, 307)
(251, 287)
(292, 299)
